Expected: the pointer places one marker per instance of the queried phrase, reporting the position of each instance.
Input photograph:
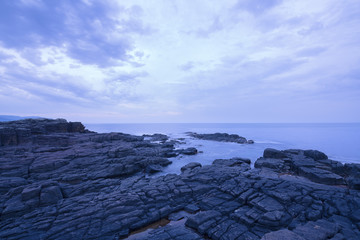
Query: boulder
(273, 153)
(153, 168)
(170, 154)
(190, 166)
(188, 151)
(315, 154)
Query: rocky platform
(83, 185)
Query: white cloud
(189, 60)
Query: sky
(143, 61)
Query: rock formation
(311, 164)
(17, 132)
(221, 137)
(61, 184)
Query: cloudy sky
(181, 60)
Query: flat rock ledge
(84, 185)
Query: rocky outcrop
(221, 137)
(243, 163)
(311, 164)
(157, 137)
(22, 131)
(96, 186)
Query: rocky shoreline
(61, 181)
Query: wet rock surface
(86, 185)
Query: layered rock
(18, 132)
(95, 186)
(311, 164)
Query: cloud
(310, 52)
(91, 33)
(215, 26)
(4, 56)
(63, 82)
(187, 66)
(257, 6)
(139, 61)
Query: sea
(339, 141)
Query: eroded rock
(95, 186)
(311, 164)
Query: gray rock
(273, 153)
(31, 193)
(319, 230)
(353, 175)
(153, 168)
(316, 155)
(220, 137)
(282, 235)
(21, 131)
(321, 176)
(202, 217)
(355, 216)
(267, 204)
(84, 185)
(50, 195)
(189, 151)
(232, 162)
(191, 208)
(13, 206)
(157, 137)
(190, 166)
(272, 163)
(8, 183)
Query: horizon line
(221, 122)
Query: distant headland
(5, 118)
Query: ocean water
(340, 141)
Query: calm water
(340, 141)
